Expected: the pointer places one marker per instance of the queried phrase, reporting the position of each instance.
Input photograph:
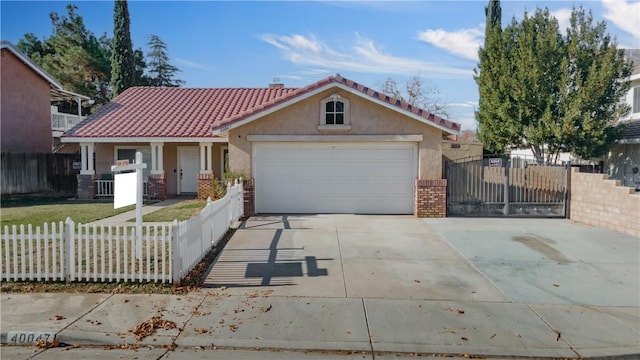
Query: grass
(38, 214)
(180, 211)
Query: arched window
(335, 111)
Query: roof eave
(141, 139)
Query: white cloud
(625, 15)
(191, 64)
(563, 16)
(466, 104)
(363, 56)
(463, 42)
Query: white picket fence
(97, 253)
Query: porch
(173, 168)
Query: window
(334, 113)
(122, 153)
(636, 99)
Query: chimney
(276, 84)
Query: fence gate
(500, 186)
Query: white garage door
(359, 178)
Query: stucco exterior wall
(365, 118)
(26, 111)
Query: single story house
(334, 146)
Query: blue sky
(248, 44)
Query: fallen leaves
(558, 335)
(233, 327)
(266, 309)
(556, 285)
(57, 317)
(149, 327)
(43, 344)
(200, 331)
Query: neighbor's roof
(631, 130)
(160, 112)
(57, 91)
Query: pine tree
(122, 57)
(161, 72)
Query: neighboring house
(334, 146)
(29, 124)
(623, 161)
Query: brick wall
(86, 187)
(431, 198)
(597, 201)
(157, 187)
(205, 186)
(249, 197)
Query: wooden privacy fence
(65, 251)
(474, 188)
(23, 173)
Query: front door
(188, 169)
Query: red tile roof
(185, 112)
(171, 112)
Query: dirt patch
(541, 245)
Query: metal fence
(164, 253)
(499, 187)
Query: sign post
(128, 190)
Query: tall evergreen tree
(74, 56)
(161, 72)
(491, 86)
(122, 56)
(549, 92)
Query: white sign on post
(128, 191)
(124, 190)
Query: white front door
(364, 178)
(188, 169)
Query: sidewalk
(123, 218)
(344, 328)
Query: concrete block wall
(431, 198)
(597, 201)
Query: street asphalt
(367, 287)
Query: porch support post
(205, 158)
(86, 178)
(156, 158)
(86, 156)
(157, 182)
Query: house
(623, 160)
(29, 124)
(334, 146)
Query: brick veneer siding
(597, 201)
(205, 186)
(86, 187)
(249, 197)
(157, 187)
(431, 198)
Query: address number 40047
(29, 337)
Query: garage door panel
(369, 178)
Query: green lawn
(180, 211)
(80, 212)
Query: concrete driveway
(543, 261)
(484, 286)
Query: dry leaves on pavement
(149, 327)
